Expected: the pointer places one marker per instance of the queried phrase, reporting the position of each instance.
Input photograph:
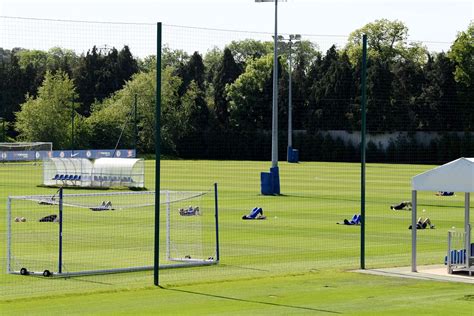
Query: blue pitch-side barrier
(270, 182)
(90, 154)
(293, 155)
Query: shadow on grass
(253, 301)
(242, 267)
(319, 197)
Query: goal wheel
(23, 271)
(47, 273)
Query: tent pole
(413, 231)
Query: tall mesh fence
(216, 118)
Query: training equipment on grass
(355, 220)
(423, 224)
(405, 205)
(444, 193)
(100, 173)
(81, 234)
(256, 213)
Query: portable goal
(81, 234)
(24, 151)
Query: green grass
(294, 262)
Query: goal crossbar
(178, 244)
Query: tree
(99, 74)
(386, 40)
(405, 89)
(114, 113)
(48, 116)
(246, 50)
(250, 96)
(300, 90)
(173, 57)
(379, 82)
(193, 91)
(333, 93)
(439, 104)
(33, 63)
(227, 72)
(14, 84)
(462, 53)
(304, 53)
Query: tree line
(218, 104)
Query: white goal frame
(24, 151)
(26, 146)
(177, 262)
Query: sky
(436, 22)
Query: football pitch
(296, 261)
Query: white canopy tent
(455, 176)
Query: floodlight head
(296, 37)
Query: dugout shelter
(100, 173)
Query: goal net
(24, 151)
(79, 234)
(35, 146)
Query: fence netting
(90, 85)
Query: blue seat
(56, 177)
(62, 177)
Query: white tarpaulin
(455, 176)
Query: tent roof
(455, 176)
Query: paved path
(434, 272)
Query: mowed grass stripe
(300, 234)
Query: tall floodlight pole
(275, 93)
(275, 182)
(293, 39)
(290, 109)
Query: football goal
(80, 234)
(24, 151)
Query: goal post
(24, 151)
(25, 146)
(98, 233)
